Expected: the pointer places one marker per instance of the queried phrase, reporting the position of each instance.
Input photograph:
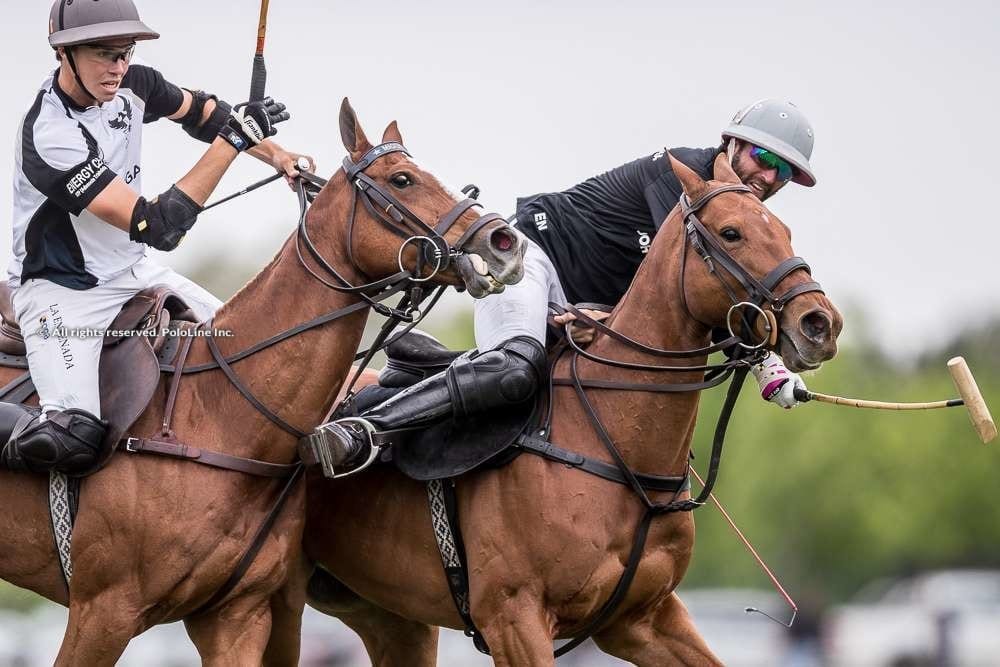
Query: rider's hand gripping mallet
(967, 389)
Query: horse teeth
(479, 264)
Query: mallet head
(982, 421)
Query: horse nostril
(502, 240)
(816, 326)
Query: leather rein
(761, 301)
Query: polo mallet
(964, 382)
(258, 77)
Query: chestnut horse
(157, 537)
(547, 544)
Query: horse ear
(392, 134)
(690, 181)
(351, 133)
(723, 170)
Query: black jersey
(598, 232)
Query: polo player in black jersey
(585, 245)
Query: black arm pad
(191, 121)
(162, 223)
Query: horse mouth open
(491, 263)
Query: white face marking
(763, 215)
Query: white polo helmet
(781, 128)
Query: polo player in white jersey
(81, 225)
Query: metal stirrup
(373, 450)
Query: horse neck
(298, 378)
(652, 430)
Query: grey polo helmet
(74, 22)
(781, 128)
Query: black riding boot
(68, 441)
(507, 375)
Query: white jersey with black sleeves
(65, 156)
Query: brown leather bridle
(392, 214)
(761, 298)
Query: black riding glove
(252, 122)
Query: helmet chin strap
(79, 81)
(731, 150)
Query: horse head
(736, 241)
(407, 220)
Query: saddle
(130, 360)
(453, 446)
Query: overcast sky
(522, 97)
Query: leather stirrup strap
(178, 450)
(175, 384)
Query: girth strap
(443, 501)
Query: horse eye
(730, 234)
(401, 180)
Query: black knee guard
(68, 442)
(506, 375)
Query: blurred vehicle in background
(945, 618)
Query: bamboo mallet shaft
(883, 405)
(967, 389)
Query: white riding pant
(63, 327)
(521, 309)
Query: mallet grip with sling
(258, 76)
(972, 399)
